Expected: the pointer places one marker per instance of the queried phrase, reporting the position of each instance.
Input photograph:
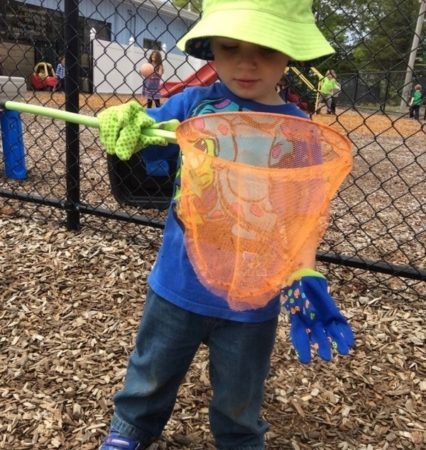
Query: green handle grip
(88, 121)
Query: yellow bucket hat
(284, 25)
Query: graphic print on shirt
(234, 199)
(228, 148)
(217, 194)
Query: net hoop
(247, 224)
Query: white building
(32, 30)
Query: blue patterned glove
(315, 320)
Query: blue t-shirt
(173, 277)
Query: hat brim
(299, 41)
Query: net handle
(81, 119)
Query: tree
(373, 35)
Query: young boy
(250, 43)
(329, 90)
(415, 102)
(60, 74)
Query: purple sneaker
(115, 441)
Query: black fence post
(90, 75)
(72, 81)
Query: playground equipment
(320, 77)
(313, 91)
(202, 77)
(12, 88)
(302, 77)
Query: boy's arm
(307, 255)
(175, 107)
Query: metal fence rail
(378, 217)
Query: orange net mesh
(255, 191)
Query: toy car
(43, 77)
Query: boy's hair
(286, 26)
(418, 87)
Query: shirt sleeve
(158, 159)
(174, 108)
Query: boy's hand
(121, 130)
(314, 318)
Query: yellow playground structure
(308, 83)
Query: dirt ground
(348, 121)
(70, 303)
(69, 309)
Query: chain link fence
(377, 230)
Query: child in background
(329, 89)
(416, 101)
(60, 74)
(250, 43)
(151, 84)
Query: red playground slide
(202, 77)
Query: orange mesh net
(255, 191)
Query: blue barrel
(13, 145)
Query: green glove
(121, 130)
(169, 125)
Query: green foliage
(373, 35)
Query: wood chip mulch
(69, 309)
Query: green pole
(88, 121)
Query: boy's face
(249, 70)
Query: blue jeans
(167, 340)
